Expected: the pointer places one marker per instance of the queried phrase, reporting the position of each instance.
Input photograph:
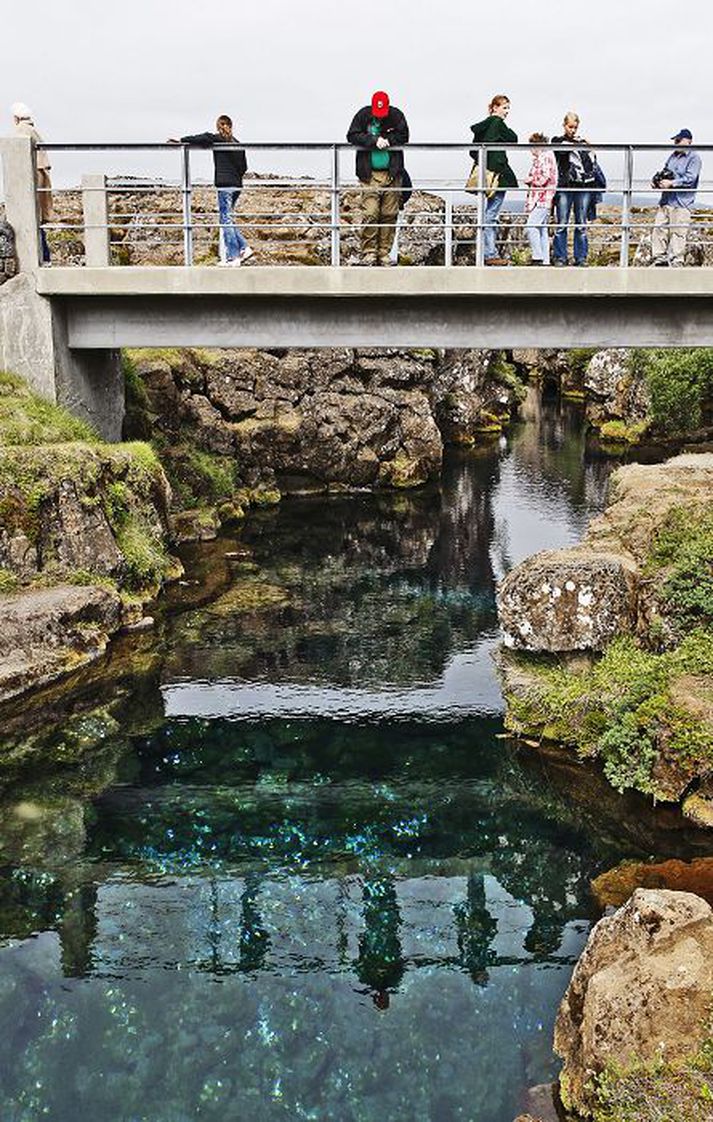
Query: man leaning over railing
(376, 128)
(678, 182)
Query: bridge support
(33, 329)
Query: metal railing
(114, 220)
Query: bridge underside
(406, 307)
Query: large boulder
(568, 600)
(614, 390)
(641, 993)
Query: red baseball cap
(380, 104)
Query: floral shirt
(542, 179)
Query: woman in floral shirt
(542, 183)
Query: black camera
(665, 173)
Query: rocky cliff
(616, 636)
(238, 427)
(83, 538)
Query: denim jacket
(685, 168)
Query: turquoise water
(279, 861)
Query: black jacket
(566, 175)
(230, 167)
(393, 127)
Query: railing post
(96, 221)
(186, 190)
(21, 209)
(335, 208)
(628, 188)
(448, 240)
(480, 232)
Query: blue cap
(683, 134)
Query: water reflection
(287, 867)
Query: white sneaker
(246, 254)
(235, 263)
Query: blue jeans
(493, 207)
(234, 241)
(567, 202)
(538, 234)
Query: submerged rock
(613, 888)
(640, 994)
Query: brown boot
(497, 261)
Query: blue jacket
(685, 167)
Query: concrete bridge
(62, 327)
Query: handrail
(463, 222)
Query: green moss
(8, 581)
(136, 355)
(656, 1092)
(683, 550)
(26, 418)
(620, 708)
(145, 555)
(618, 432)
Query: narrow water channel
(276, 861)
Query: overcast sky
(148, 69)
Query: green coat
(490, 131)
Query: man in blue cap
(678, 182)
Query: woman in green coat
(493, 130)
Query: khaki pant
(381, 209)
(668, 239)
(45, 195)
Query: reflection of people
(254, 939)
(500, 176)
(380, 964)
(476, 930)
(379, 127)
(229, 167)
(25, 126)
(577, 180)
(678, 183)
(545, 935)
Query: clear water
(277, 861)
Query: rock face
(613, 390)
(67, 509)
(580, 599)
(317, 420)
(45, 633)
(641, 992)
(8, 260)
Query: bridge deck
(497, 308)
(357, 281)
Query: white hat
(21, 111)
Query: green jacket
(490, 131)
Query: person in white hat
(25, 126)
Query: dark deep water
(277, 863)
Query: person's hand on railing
(172, 140)
(382, 142)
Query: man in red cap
(377, 129)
